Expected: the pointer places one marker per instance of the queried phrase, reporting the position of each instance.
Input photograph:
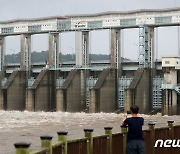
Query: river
(16, 126)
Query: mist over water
(16, 126)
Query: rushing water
(27, 126)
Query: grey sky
(14, 9)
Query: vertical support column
(83, 76)
(82, 59)
(146, 47)
(26, 53)
(2, 45)
(178, 33)
(115, 48)
(93, 101)
(151, 47)
(30, 100)
(82, 48)
(60, 100)
(115, 51)
(170, 95)
(54, 50)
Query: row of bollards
(46, 142)
(47, 147)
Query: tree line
(43, 56)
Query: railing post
(62, 136)
(108, 131)
(152, 128)
(88, 134)
(124, 131)
(171, 129)
(46, 143)
(22, 148)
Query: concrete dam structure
(91, 90)
(86, 86)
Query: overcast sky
(15, 9)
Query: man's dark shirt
(134, 128)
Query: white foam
(16, 119)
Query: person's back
(135, 139)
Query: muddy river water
(16, 126)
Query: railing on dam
(109, 143)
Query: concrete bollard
(62, 136)
(46, 142)
(152, 128)
(124, 131)
(88, 134)
(171, 129)
(108, 131)
(22, 148)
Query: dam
(111, 86)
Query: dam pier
(91, 86)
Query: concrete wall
(128, 99)
(41, 96)
(103, 96)
(139, 91)
(69, 96)
(73, 94)
(14, 91)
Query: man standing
(135, 139)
